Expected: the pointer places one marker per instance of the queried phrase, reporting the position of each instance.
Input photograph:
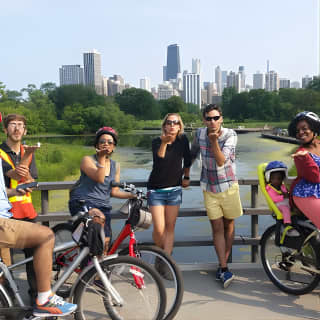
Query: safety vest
(21, 205)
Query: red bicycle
(138, 218)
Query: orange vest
(21, 205)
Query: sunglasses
(172, 122)
(109, 142)
(215, 118)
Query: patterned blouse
(304, 188)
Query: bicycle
(291, 263)
(117, 287)
(138, 218)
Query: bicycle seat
(262, 183)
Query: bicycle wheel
(169, 271)
(62, 233)
(4, 313)
(289, 270)
(146, 303)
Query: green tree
(172, 105)
(138, 102)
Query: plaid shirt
(213, 178)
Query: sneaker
(163, 269)
(55, 306)
(218, 274)
(226, 278)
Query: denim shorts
(165, 198)
(75, 207)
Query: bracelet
(186, 178)
(99, 165)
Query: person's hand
(98, 216)
(213, 135)
(22, 170)
(21, 192)
(30, 149)
(299, 153)
(185, 183)
(103, 152)
(167, 138)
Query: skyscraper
(192, 88)
(258, 80)
(71, 74)
(196, 66)
(305, 81)
(145, 84)
(92, 70)
(242, 78)
(272, 81)
(173, 62)
(218, 79)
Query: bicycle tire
(62, 233)
(146, 303)
(4, 303)
(174, 287)
(289, 275)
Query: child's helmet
(274, 166)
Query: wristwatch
(186, 178)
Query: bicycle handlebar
(129, 188)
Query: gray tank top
(87, 189)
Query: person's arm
(116, 192)
(95, 172)
(228, 150)
(165, 140)
(186, 163)
(14, 192)
(306, 167)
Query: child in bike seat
(275, 173)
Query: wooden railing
(253, 240)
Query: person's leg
(158, 220)
(219, 242)
(171, 213)
(228, 236)
(285, 214)
(310, 207)
(5, 256)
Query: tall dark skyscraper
(173, 62)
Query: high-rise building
(242, 75)
(192, 88)
(145, 84)
(284, 83)
(295, 85)
(224, 74)
(305, 81)
(218, 79)
(234, 80)
(173, 62)
(115, 85)
(272, 81)
(211, 90)
(196, 66)
(71, 74)
(164, 73)
(166, 91)
(258, 80)
(105, 86)
(92, 70)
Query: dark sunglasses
(109, 142)
(174, 122)
(215, 118)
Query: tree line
(262, 105)
(77, 109)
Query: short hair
(211, 107)
(13, 116)
(181, 131)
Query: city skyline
(132, 37)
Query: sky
(38, 36)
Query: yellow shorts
(225, 204)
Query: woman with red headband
(98, 171)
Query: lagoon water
(135, 157)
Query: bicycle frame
(5, 270)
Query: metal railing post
(45, 204)
(254, 222)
